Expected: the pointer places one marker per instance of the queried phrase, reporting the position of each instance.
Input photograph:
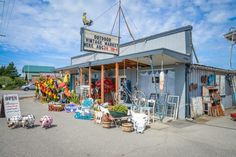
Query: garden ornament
(28, 120)
(46, 121)
(14, 122)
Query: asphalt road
(70, 137)
(21, 93)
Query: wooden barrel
(106, 124)
(127, 127)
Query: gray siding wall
(145, 83)
(176, 42)
(195, 77)
(180, 89)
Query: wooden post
(80, 76)
(90, 81)
(117, 83)
(102, 83)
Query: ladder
(233, 83)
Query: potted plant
(74, 102)
(106, 120)
(74, 99)
(118, 110)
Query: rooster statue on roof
(86, 21)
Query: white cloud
(54, 25)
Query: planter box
(117, 114)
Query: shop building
(33, 72)
(141, 62)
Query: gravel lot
(70, 137)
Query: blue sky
(47, 32)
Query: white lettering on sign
(11, 105)
(99, 42)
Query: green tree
(11, 71)
(2, 70)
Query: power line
(127, 24)
(10, 16)
(105, 11)
(129, 18)
(6, 16)
(2, 19)
(115, 21)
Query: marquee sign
(98, 42)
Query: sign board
(11, 105)
(99, 42)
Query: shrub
(19, 81)
(5, 81)
(8, 83)
(119, 108)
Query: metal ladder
(233, 83)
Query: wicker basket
(106, 124)
(127, 127)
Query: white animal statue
(104, 110)
(46, 121)
(28, 120)
(14, 122)
(139, 120)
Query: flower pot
(106, 124)
(127, 127)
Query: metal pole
(231, 51)
(28, 74)
(153, 76)
(119, 28)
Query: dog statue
(46, 121)
(14, 122)
(28, 120)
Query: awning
(168, 57)
(231, 36)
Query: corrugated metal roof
(213, 69)
(38, 69)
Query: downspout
(187, 94)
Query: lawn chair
(84, 112)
